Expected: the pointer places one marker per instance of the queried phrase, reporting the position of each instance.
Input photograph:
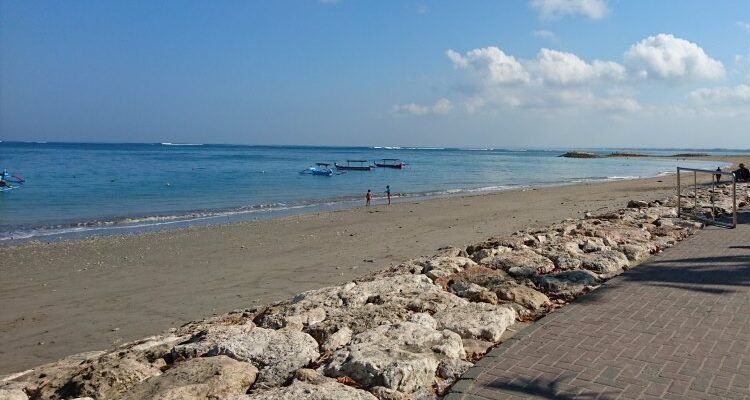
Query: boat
(394, 163)
(321, 169)
(359, 165)
(7, 178)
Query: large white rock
(198, 379)
(522, 295)
(521, 260)
(402, 356)
(478, 320)
(606, 263)
(110, 378)
(439, 267)
(202, 341)
(568, 284)
(276, 353)
(298, 390)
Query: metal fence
(714, 181)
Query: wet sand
(67, 297)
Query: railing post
(695, 192)
(734, 201)
(679, 193)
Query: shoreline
(123, 288)
(119, 226)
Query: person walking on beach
(718, 176)
(388, 193)
(368, 197)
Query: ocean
(83, 189)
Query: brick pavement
(675, 327)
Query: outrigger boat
(6, 178)
(394, 163)
(360, 165)
(319, 169)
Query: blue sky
(521, 73)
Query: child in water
(368, 197)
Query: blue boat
(319, 169)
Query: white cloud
(491, 65)
(546, 35)
(670, 58)
(552, 9)
(442, 106)
(724, 95)
(745, 26)
(563, 68)
(553, 80)
(422, 9)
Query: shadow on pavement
(547, 390)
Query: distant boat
(359, 165)
(394, 163)
(319, 169)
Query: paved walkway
(675, 327)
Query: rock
(453, 368)
(384, 393)
(522, 272)
(563, 260)
(276, 353)
(523, 295)
(522, 260)
(637, 252)
(473, 292)
(338, 340)
(443, 266)
(198, 378)
(477, 320)
(402, 356)
(637, 204)
(482, 276)
(568, 284)
(50, 381)
(423, 319)
(476, 346)
(202, 341)
(329, 390)
(451, 251)
(606, 263)
(591, 245)
(112, 378)
(7, 393)
(311, 376)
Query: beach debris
(406, 331)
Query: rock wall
(405, 332)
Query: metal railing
(714, 181)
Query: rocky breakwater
(407, 332)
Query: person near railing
(742, 174)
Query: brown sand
(67, 297)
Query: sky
(481, 73)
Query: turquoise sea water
(83, 189)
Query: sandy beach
(67, 297)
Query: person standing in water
(368, 197)
(388, 193)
